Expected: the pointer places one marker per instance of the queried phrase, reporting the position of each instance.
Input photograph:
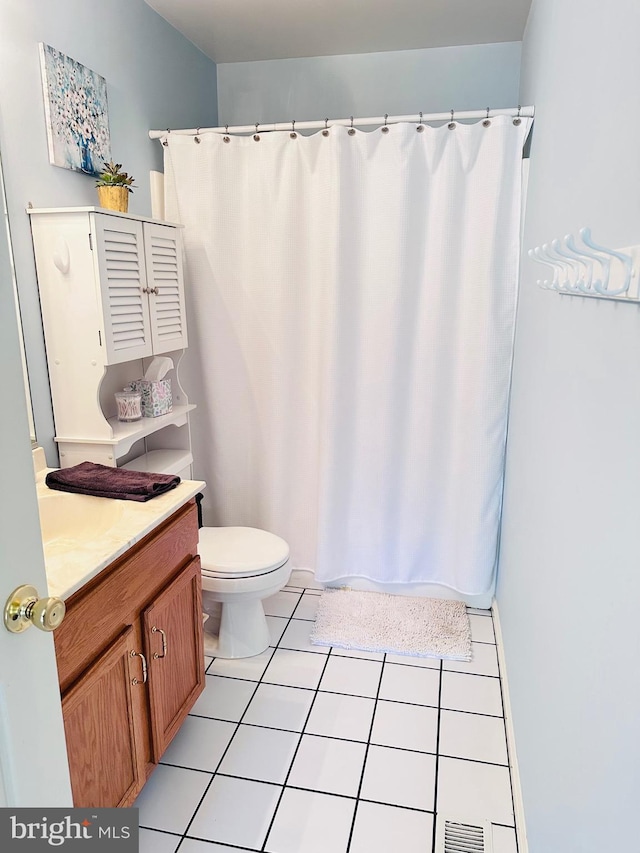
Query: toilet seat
(240, 552)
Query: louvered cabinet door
(123, 285)
(163, 256)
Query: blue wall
(369, 84)
(155, 78)
(569, 583)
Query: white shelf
(161, 461)
(128, 433)
(134, 430)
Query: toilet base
(243, 631)
(237, 626)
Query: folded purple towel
(90, 478)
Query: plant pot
(114, 198)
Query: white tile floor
(310, 750)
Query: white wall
(369, 84)
(569, 577)
(155, 78)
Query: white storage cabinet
(112, 296)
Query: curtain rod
(451, 115)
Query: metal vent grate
(460, 836)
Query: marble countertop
(85, 548)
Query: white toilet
(240, 567)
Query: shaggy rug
(379, 622)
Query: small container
(156, 397)
(129, 405)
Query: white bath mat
(379, 622)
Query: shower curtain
(351, 301)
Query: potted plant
(114, 187)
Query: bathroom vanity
(130, 649)
(131, 662)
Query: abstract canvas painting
(75, 102)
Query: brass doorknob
(24, 608)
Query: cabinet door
(174, 644)
(123, 288)
(163, 256)
(100, 727)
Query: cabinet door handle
(154, 290)
(144, 667)
(156, 656)
(144, 289)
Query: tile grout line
(304, 725)
(366, 754)
(435, 779)
(300, 619)
(228, 846)
(275, 649)
(175, 835)
(326, 794)
(338, 652)
(221, 759)
(367, 660)
(295, 753)
(329, 737)
(354, 696)
(504, 721)
(258, 683)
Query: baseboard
(518, 803)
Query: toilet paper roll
(158, 368)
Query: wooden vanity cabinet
(174, 642)
(91, 743)
(131, 662)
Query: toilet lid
(240, 551)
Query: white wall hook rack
(587, 269)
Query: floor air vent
(461, 836)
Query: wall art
(75, 102)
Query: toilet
(240, 567)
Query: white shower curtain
(352, 302)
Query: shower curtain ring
(486, 122)
(452, 124)
(384, 127)
(256, 135)
(293, 133)
(420, 127)
(351, 131)
(226, 138)
(196, 138)
(517, 120)
(165, 142)
(325, 132)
